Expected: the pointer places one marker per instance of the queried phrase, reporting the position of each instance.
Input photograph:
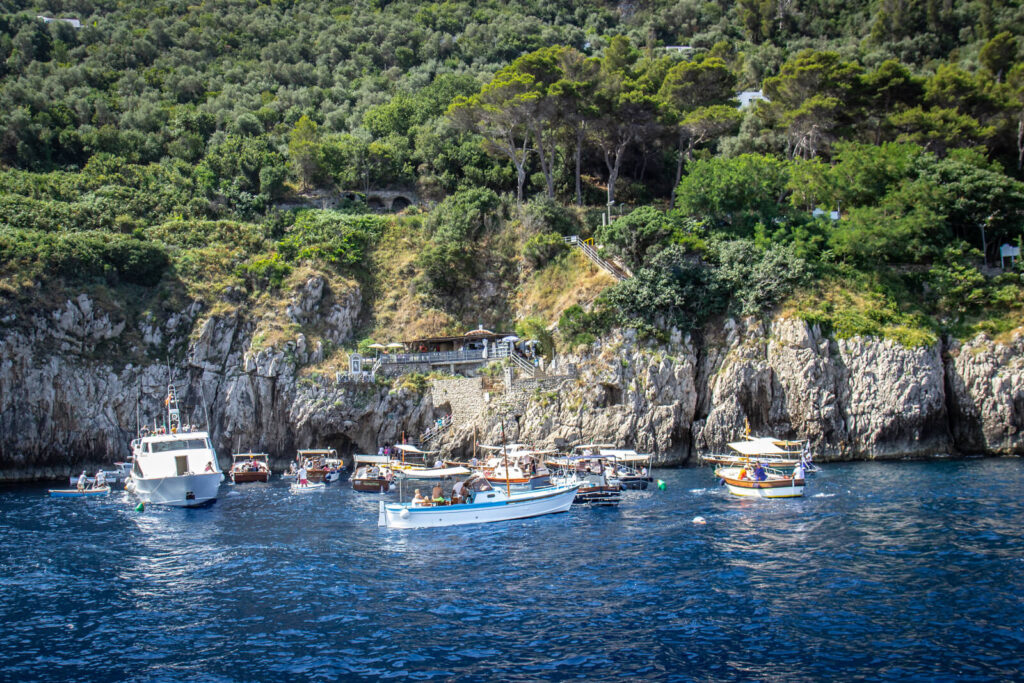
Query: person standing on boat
(100, 481)
(798, 471)
(82, 480)
(303, 481)
(759, 474)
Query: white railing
(439, 427)
(499, 350)
(523, 364)
(591, 253)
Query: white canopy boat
(409, 451)
(484, 504)
(175, 466)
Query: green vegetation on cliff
(165, 146)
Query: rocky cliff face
(69, 397)
(853, 399)
(66, 402)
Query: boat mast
(508, 485)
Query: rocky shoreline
(66, 404)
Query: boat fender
(661, 485)
(404, 514)
(699, 520)
(141, 507)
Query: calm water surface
(908, 571)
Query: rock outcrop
(853, 399)
(67, 403)
(74, 380)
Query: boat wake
(823, 495)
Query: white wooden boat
(322, 464)
(84, 493)
(308, 488)
(176, 465)
(742, 481)
(484, 504)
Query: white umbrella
(511, 338)
(395, 345)
(376, 346)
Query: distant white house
(683, 49)
(818, 213)
(1008, 251)
(74, 22)
(747, 97)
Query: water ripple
(894, 571)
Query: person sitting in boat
(82, 480)
(759, 473)
(418, 499)
(209, 467)
(474, 461)
(302, 477)
(374, 472)
(100, 481)
(438, 464)
(437, 495)
(643, 471)
(743, 473)
(459, 492)
(798, 471)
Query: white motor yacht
(175, 466)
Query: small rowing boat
(313, 486)
(84, 493)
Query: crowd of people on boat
(459, 495)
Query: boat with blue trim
(482, 503)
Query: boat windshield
(178, 445)
(475, 482)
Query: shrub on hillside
(540, 249)
(757, 280)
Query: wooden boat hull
(599, 495)
(523, 483)
(249, 477)
(480, 511)
(75, 493)
(776, 487)
(380, 485)
(634, 483)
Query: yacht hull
(189, 490)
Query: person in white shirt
(798, 471)
(303, 481)
(100, 481)
(458, 491)
(82, 481)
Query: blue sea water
(896, 571)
